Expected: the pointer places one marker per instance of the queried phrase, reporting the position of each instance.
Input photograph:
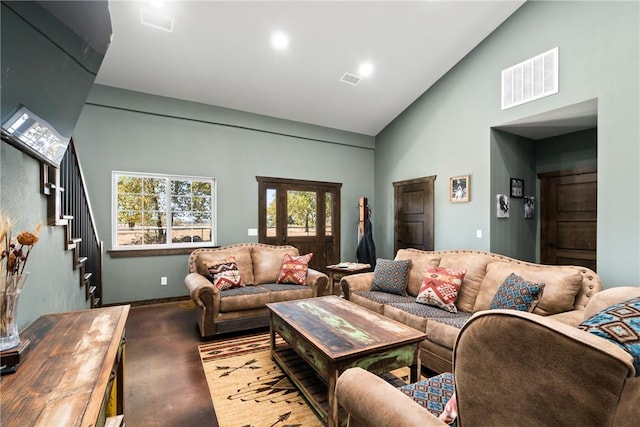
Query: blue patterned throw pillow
(515, 293)
(619, 324)
(391, 276)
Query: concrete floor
(164, 380)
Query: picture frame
(516, 188)
(459, 189)
(502, 206)
(529, 207)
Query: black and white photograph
(517, 188)
(502, 206)
(529, 207)
(459, 189)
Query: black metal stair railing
(82, 232)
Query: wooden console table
(73, 372)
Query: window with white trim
(152, 211)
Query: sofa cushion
(244, 298)
(294, 269)
(287, 292)
(475, 264)
(440, 288)
(515, 293)
(433, 393)
(267, 262)
(619, 324)
(242, 254)
(420, 261)
(561, 285)
(391, 276)
(225, 275)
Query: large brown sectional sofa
(566, 293)
(245, 307)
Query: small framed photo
(529, 207)
(502, 206)
(517, 188)
(459, 188)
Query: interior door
(569, 213)
(414, 213)
(304, 214)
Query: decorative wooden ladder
(68, 205)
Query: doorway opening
(561, 142)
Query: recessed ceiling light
(157, 3)
(280, 41)
(365, 69)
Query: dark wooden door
(569, 213)
(304, 214)
(414, 213)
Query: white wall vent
(156, 21)
(531, 79)
(351, 79)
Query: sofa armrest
(381, 404)
(356, 282)
(317, 280)
(202, 291)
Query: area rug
(248, 389)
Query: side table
(338, 271)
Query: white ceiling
(219, 53)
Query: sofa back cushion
(206, 258)
(420, 262)
(267, 262)
(561, 285)
(475, 263)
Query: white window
(151, 211)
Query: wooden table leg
(332, 399)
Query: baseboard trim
(150, 301)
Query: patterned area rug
(248, 389)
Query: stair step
(87, 276)
(66, 217)
(95, 303)
(72, 243)
(82, 261)
(92, 290)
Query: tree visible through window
(152, 211)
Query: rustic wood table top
(65, 375)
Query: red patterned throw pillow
(440, 288)
(225, 275)
(294, 269)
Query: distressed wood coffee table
(329, 335)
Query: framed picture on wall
(517, 188)
(459, 189)
(529, 207)
(502, 206)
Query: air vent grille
(531, 79)
(156, 21)
(351, 79)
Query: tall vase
(10, 288)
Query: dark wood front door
(304, 214)
(414, 213)
(569, 213)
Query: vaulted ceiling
(221, 53)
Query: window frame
(168, 245)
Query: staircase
(68, 205)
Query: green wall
(52, 286)
(129, 131)
(447, 131)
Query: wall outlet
(252, 232)
(163, 281)
(479, 234)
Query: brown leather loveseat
(242, 308)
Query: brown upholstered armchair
(516, 368)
